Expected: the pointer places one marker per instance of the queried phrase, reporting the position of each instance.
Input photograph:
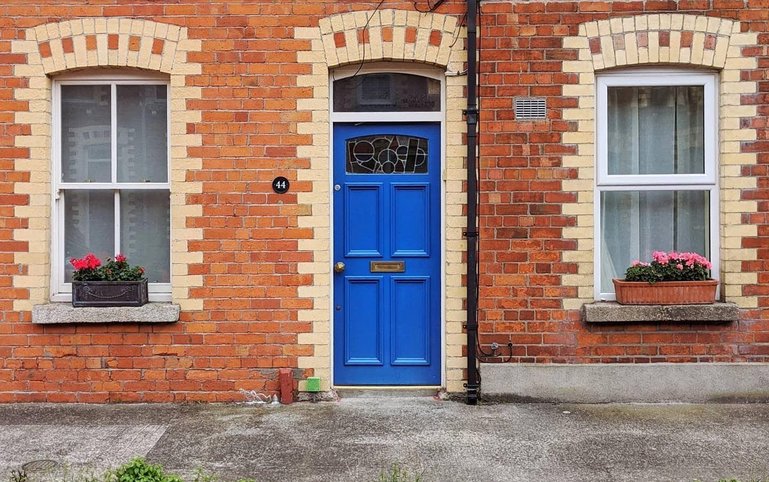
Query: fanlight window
(387, 92)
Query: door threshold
(360, 391)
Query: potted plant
(114, 283)
(670, 279)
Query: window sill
(59, 313)
(612, 312)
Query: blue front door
(387, 254)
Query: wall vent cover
(530, 108)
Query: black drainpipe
(471, 115)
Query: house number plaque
(280, 185)
(387, 266)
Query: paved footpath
(355, 439)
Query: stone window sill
(611, 312)
(58, 313)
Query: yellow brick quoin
(171, 60)
(378, 47)
(714, 45)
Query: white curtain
(89, 226)
(145, 232)
(142, 155)
(85, 133)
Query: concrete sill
(611, 312)
(58, 313)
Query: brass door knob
(338, 267)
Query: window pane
(634, 224)
(387, 92)
(89, 226)
(85, 133)
(144, 232)
(142, 154)
(387, 154)
(656, 130)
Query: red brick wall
(248, 327)
(522, 242)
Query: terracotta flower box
(665, 292)
(109, 293)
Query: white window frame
(707, 181)
(60, 290)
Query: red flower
(92, 261)
(89, 261)
(77, 263)
(120, 258)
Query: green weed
(139, 470)
(398, 474)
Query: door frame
(413, 117)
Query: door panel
(387, 252)
(411, 223)
(410, 340)
(363, 220)
(364, 321)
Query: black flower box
(109, 293)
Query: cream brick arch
(659, 39)
(687, 41)
(388, 35)
(83, 43)
(113, 42)
(401, 37)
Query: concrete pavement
(355, 439)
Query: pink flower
(680, 267)
(660, 257)
(636, 263)
(120, 258)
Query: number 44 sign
(280, 185)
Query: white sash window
(111, 175)
(656, 184)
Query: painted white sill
(59, 313)
(613, 312)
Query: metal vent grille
(530, 108)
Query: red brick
(664, 39)
(435, 38)
(112, 41)
(134, 43)
(67, 45)
(245, 336)
(363, 36)
(686, 38)
(710, 41)
(595, 45)
(340, 40)
(157, 46)
(45, 49)
(387, 34)
(411, 35)
(90, 42)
